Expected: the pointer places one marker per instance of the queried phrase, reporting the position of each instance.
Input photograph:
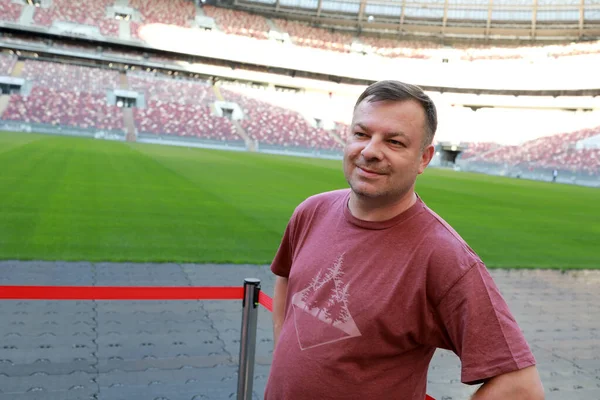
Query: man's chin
(366, 192)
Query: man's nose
(372, 150)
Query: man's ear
(426, 157)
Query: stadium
(167, 142)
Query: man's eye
(396, 143)
(359, 134)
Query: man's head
(400, 91)
(389, 142)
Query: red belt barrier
(120, 293)
(265, 301)
(129, 293)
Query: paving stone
(45, 273)
(45, 366)
(77, 393)
(44, 382)
(165, 363)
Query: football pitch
(64, 198)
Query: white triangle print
(321, 313)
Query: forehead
(387, 114)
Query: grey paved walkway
(184, 350)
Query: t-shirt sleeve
(483, 332)
(282, 262)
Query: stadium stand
(182, 14)
(581, 160)
(169, 12)
(70, 78)
(160, 118)
(7, 62)
(239, 22)
(556, 151)
(308, 36)
(64, 108)
(475, 149)
(394, 48)
(10, 11)
(90, 13)
(66, 95)
(170, 90)
(178, 107)
(256, 26)
(272, 125)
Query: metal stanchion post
(248, 339)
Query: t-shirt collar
(403, 216)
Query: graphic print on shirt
(321, 313)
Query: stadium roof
(489, 19)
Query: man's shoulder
(321, 200)
(446, 243)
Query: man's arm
(523, 384)
(279, 296)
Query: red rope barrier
(265, 301)
(120, 293)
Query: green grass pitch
(65, 198)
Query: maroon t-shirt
(369, 302)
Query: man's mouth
(369, 171)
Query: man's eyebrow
(361, 126)
(392, 134)
(387, 135)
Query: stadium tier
(64, 109)
(185, 120)
(91, 13)
(168, 12)
(7, 62)
(10, 11)
(239, 22)
(399, 48)
(103, 16)
(308, 36)
(66, 95)
(70, 78)
(477, 148)
(170, 90)
(180, 108)
(549, 152)
(273, 125)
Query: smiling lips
(369, 172)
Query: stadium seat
(549, 152)
(92, 13)
(10, 11)
(66, 95)
(61, 108)
(307, 36)
(7, 62)
(238, 22)
(68, 77)
(475, 149)
(273, 125)
(399, 48)
(178, 107)
(169, 12)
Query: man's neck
(375, 210)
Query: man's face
(384, 151)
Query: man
(370, 281)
